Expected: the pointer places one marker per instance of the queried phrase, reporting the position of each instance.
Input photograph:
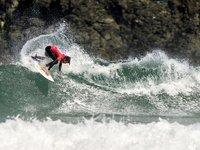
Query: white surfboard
(39, 68)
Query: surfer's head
(66, 59)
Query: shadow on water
(41, 83)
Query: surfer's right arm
(60, 66)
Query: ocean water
(152, 103)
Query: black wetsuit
(52, 55)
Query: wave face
(154, 85)
(111, 95)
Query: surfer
(56, 55)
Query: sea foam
(90, 135)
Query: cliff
(110, 29)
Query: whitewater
(151, 103)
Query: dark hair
(68, 59)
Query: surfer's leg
(47, 49)
(39, 57)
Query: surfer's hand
(59, 73)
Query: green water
(152, 87)
(124, 88)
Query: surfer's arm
(51, 64)
(60, 66)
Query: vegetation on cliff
(110, 29)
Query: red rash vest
(58, 53)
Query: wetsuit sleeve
(52, 63)
(60, 66)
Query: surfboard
(39, 68)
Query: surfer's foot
(46, 71)
(44, 68)
(34, 56)
(38, 57)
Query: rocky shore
(110, 29)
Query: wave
(153, 85)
